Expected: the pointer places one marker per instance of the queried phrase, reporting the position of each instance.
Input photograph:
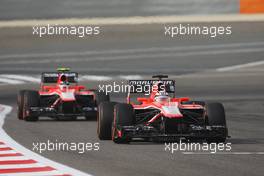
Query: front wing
(52, 112)
(149, 132)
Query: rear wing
(52, 77)
(145, 86)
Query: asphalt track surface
(36, 9)
(191, 60)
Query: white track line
(8, 152)
(21, 77)
(136, 20)
(47, 173)
(10, 81)
(240, 66)
(60, 168)
(96, 78)
(13, 158)
(108, 78)
(130, 77)
(3, 146)
(11, 166)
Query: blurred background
(39, 9)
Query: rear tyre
(215, 116)
(101, 97)
(31, 99)
(124, 115)
(20, 104)
(104, 120)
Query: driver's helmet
(63, 84)
(162, 97)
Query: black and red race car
(59, 97)
(161, 116)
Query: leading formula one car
(59, 97)
(161, 116)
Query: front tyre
(124, 115)
(215, 116)
(104, 120)
(20, 104)
(31, 99)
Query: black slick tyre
(215, 116)
(124, 115)
(104, 120)
(31, 99)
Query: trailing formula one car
(59, 97)
(160, 116)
